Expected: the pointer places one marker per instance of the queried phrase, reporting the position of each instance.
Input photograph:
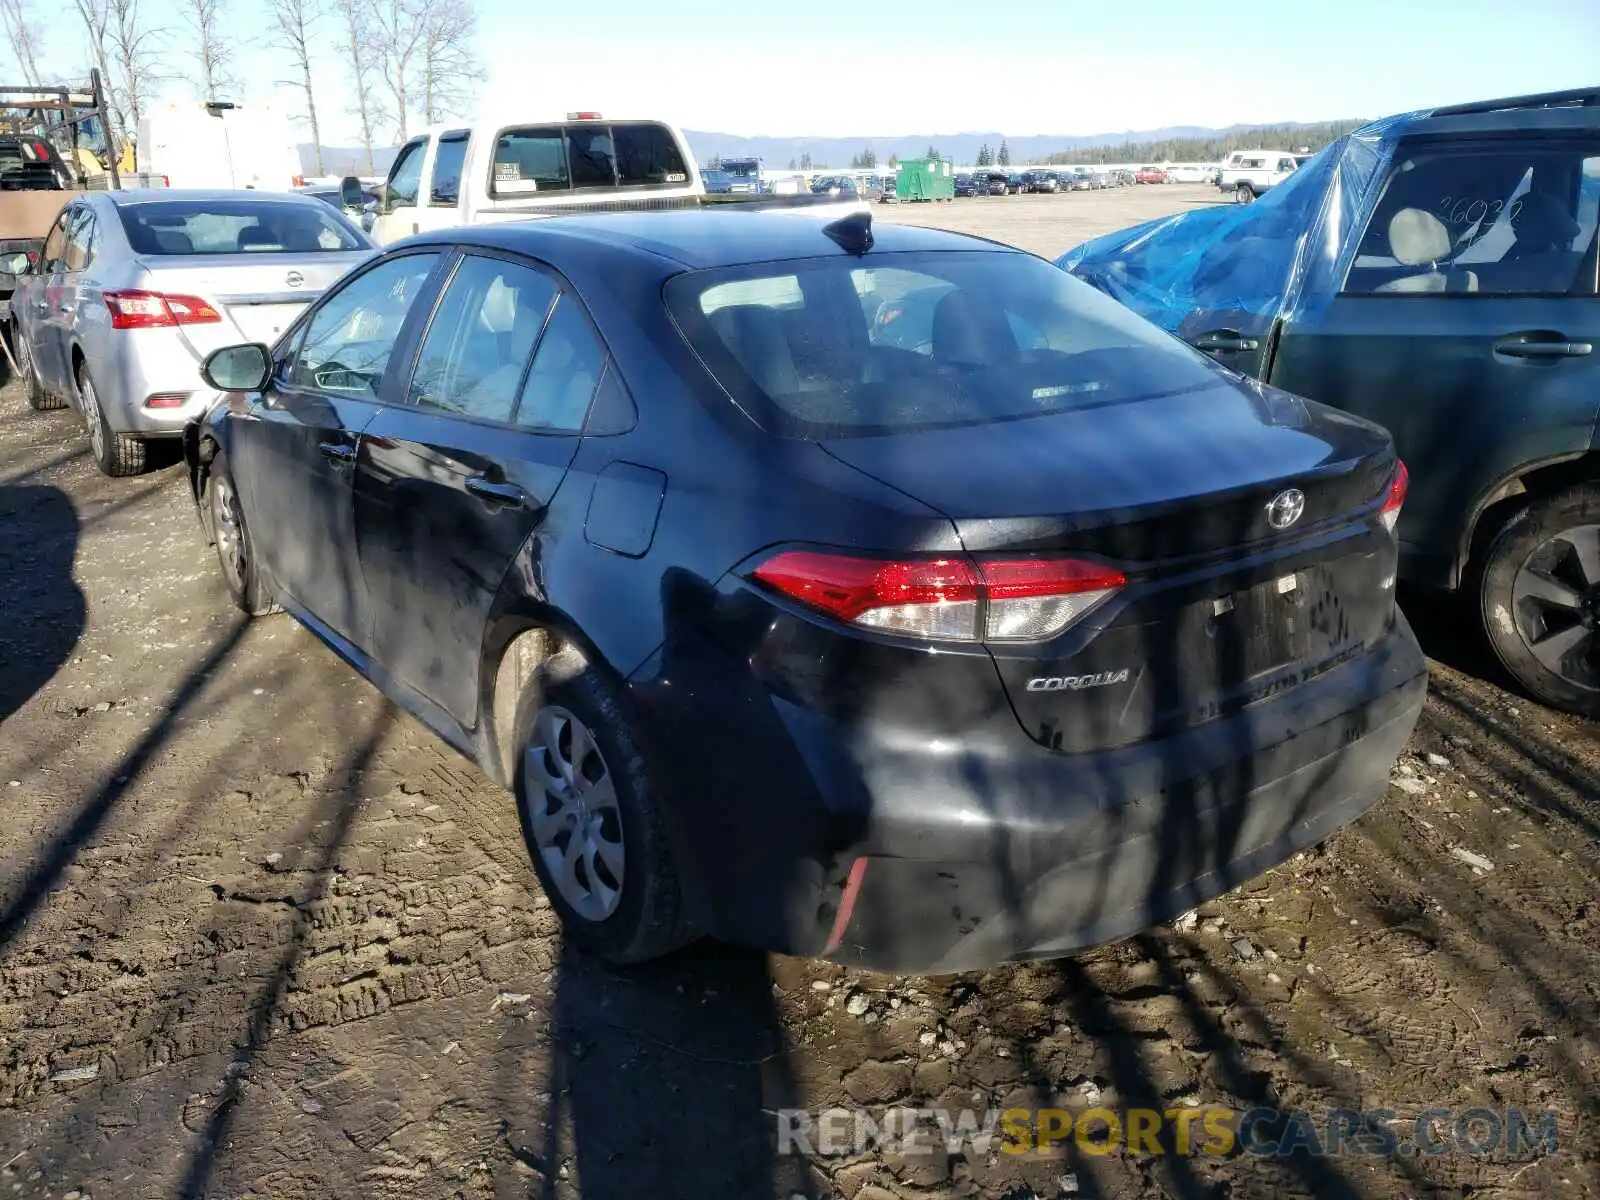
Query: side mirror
(15, 264)
(238, 368)
(350, 192)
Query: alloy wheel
(24, 356)
(228, 531)
(572, 810)
(92, 418)
(1555, 597)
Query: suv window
(565, 372)
(80, 240)
(481, 337)
(405, 177)
(1504, 218)
(445, 190)
(349, 338)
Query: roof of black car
(706, 238)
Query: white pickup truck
(1248, 173)
(502, 170)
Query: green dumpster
(925, 179)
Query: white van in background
(200, 144)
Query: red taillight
(946, 598)
(166, 400)
(298, 181)
(154, 310)
(1395, 500)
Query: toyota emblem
(1284, 509)
(294, 279)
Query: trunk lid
(258, 295)
(1221, 607)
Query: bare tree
(214, 48)
(397, 28)
(96, 15)
(135, 48)
(25, 37)
(361, 45)
(448, 66)
(293, 25)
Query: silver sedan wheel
(229, 532)
(572, 810)
(91, 416)
(24, 356)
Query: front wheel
(231, 536)
(1244, 194)
(591, 814)
(1540, 599)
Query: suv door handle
(1225, 339)
(508, 494)
(1535, 346)
(337, 452)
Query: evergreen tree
(985, 155)
(933, 152)
(1004, 158)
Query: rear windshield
(235, 227)
(836, 347)
(537, 159)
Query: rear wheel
(590, 812)
(38, 399)
(231, 536)
(1540, 598)
(117, 453)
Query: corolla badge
(1284, 509)
(294, 279)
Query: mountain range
(837, 152)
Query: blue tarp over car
(1265, 260)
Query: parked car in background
(1254, 173)
(1047, 182)
(968, 185)
(134, 288)
(998, 183)
(1436, 273)
(1150, 175)
(717, 182)
(834, 185)
(1017, 183)
(493, 469)
(1100, 180)
(1082, 179)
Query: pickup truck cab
(1249, 173)
(514, 170)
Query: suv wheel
(1244, 194)
(117, 453)
(1540, 598)
(590, 811)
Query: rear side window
(840, 346)
(1486, 219)
(448, 159)
(480, 339)
(591, 154)
(80, 240)
(565, 373)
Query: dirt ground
(260, 935)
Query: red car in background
(1150, 175)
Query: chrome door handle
(1226, 340)
(508, 494)
(1529, 348)
(337, 452)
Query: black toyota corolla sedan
(886, 595)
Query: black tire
(1540, 603)
(230, 534)
(118, 454)
(38, 399)
(1244, 194)
(647, 920)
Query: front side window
(405, 177)
(1499, 219)
(54, 254)
(838, 347)
(480, 339)
(448, 159)
(349, 338)
(163, 227)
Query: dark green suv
(1437, 273)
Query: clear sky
(894, 67)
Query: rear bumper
(134, 365)
(970, 861)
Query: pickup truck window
(553, 158)
(405, 177)
(448, 159)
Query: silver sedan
(133, 289)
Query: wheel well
(1511, 495)
(522, 664)
(77, 359)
